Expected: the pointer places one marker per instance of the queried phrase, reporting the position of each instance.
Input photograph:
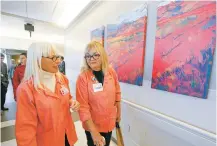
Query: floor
(8, 121)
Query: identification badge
(64, 90)
(97, 87)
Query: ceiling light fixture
(71, 9)
(28, 27)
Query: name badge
(64, 90)
(97, 87)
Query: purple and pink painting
(98, 35)
(126, 45)
(184, 47)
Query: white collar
(46, 75)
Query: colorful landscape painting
(98, 35)
(126, 45)
(184, 47)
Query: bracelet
(117, 101)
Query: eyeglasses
(95, 56)
(54, 58)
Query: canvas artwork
(98, 35)
(126, 45)
(184, 47)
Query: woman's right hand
(98, 140)
(75, 105)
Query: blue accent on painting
(137, 13)
(138, 81)
(204, 67)
(210, 23)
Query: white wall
(194, 111)
(14, 43)
(23, 44)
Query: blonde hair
(100, 49)
(33, 63)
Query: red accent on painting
(184, 47)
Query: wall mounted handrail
(190, 128)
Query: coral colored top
(43, 117)
(98, 106)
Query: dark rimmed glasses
(95, 56)
(53, 58)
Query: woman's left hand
(75, 105)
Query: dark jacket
(4, 75)
(62, 67)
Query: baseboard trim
(114, 140)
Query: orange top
(43, 117)
(98, 106)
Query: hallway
(8, 122)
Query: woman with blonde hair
(43, 105)
(98, 91)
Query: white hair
(33, 64)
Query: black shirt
(99, 76)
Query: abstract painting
(98, 35)
(184, 47)
(126, 45)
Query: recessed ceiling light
(71, 9)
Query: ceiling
(13, 27)
(57, 12)
(50, 19)
(39, 10)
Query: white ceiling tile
(14, 7)
(58, 12)
(67, 10)
(41, 10)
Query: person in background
(19, 74)
(62, 65)
(19, 64)
(43, 102)
(4, 82)
(12, 68)
(98, 91)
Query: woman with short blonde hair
(99, 48)
(98, 91)
(43, 102)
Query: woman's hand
(75, 105)
(98, 140)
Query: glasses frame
(97, 55)
(54, 58)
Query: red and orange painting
(184, 47)
(126, 46)
(98, 35)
